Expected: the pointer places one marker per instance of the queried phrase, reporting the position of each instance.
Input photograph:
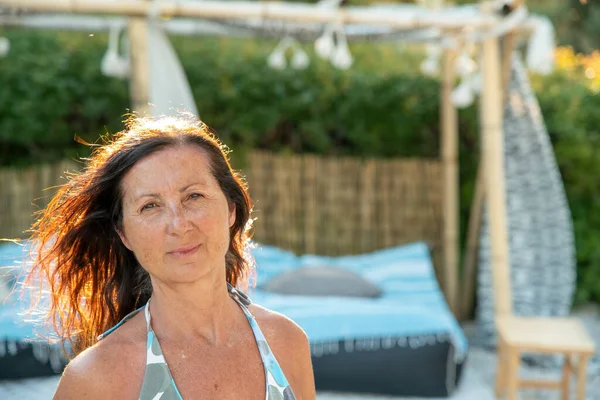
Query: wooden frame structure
(290, 12)
(491, 127)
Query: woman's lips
(183, 251)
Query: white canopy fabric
(169, 89)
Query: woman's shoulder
(291, 348)
(111, 368)
(277, 325)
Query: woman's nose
(179, 221)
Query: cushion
(23, 354)
(322, 281)
(404, 343)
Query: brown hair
(94, 279)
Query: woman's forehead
(174, 168)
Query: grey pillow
(322, 281)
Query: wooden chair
(541, 335)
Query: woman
(143, 252)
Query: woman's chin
(189, 272)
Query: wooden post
(566, 378)
(449, 151)
(582, 376)
(493, 156)
(263, 10)
(468, 282)
(139, 80)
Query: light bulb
(341, 57)
(112, 64)
(4, 46)
(464, 65)
(324, 46)
(475, 82)
(430, 67)
(277, 60)
(300, 59)
(462, 96)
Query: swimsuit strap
(147, 314)
(125, 319)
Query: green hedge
(571, 113)
(52, 89)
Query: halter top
(158, 382)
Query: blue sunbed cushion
(411, 302)
(24, 353)
(15, 320)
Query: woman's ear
(231, 214)
(123, 238)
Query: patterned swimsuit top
(158, 382)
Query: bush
(570, 104)
(52, 89)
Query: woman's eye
(148, 206)
(195, 196)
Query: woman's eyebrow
(183, 189)
(146, 195)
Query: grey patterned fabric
(322, 281)
(542, 246)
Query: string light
(277, 60)
(4, 46)
(113, 64)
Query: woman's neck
(201, 311)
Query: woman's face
(176, 219)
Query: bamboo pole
(299, 12)
(89, 23)
(139, 82)
(476, 213)
(493, 156)
(449, 151)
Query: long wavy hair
(93, 279)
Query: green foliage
(577, 22)
(571, 113)
(52, 89)
(583, 25)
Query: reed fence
(304, 203)
(335, 206)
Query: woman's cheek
(148, 233)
